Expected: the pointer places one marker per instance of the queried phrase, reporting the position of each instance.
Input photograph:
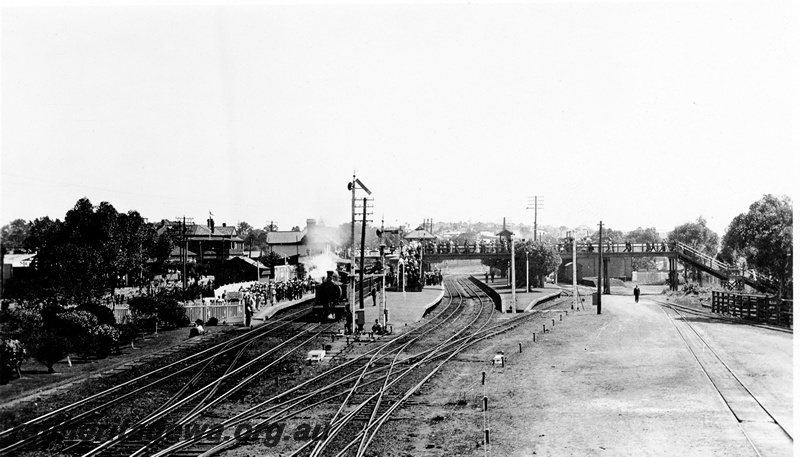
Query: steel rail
(728, 368)
(255, 410)
(345, 420)
(108, 443)
(32, 439)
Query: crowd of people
(453, 247)
(261, 294)
(587, 246)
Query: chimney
(310, 223)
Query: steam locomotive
(332, 298)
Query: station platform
(266, 312)
(405, 308)
(525, 301)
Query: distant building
(312, 240)
(205, 244)
(16, 265)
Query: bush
(47, 347)
(168, 311)
(19, 323)
(212, 322)
(12, 354)
(129, 331)
(75, 328)
(104, 314)
(144, 312)
(105, 338)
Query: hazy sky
(634, 113)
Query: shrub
(104, 314)
(12, 354)
(47, 347)
(105, 338)
(144, 312)
(172, 313)
(168, 311)
(19, 323)
(75, 328)
(129, 331)
(212, 322)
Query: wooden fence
(759, 308)
(231, 312)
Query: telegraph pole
(535, 203)
(353, 255)
(600, 269)
(513, 278)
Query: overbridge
(732, 277)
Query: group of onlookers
(455, 247)
(261, 294)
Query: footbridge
(732, 277)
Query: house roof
(18, 260)
(252, 262)
(285, 237)
(176, 252)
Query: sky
(639, 114)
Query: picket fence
(231, 311)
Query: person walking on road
(636, 293)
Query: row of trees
(79, 261)
(84, 257)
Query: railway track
(361, 395)
(51, 431)
(766, 435)
(357, 394)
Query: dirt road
(623, 383)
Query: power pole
(535, 203)
(513, 278)
(600, 270)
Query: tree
(243, 228)
(542, 257)
(697, 236)
(46, 346)
(84, 257)
(763, 236)
(640, 235)
(609, 234)
(13, 235)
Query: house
(312, 240)
(16, 265)
(204, 244)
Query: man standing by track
(636, 293)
